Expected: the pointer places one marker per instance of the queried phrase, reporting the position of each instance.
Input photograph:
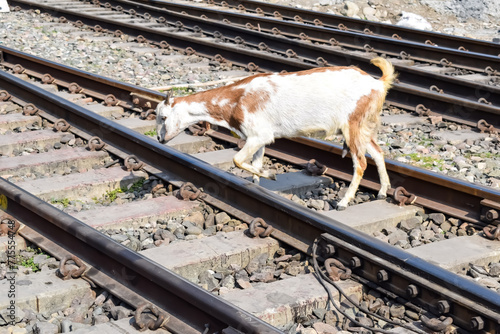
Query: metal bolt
(328, 250)
(355, 262)
(443, 306)
(412, 291)
(477, 323)
(382, 275)
(491, 215)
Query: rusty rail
(293, 27)
(441, 193)
(434, 191)
(188, 305)
(461, 103)
(287, 218)
(360, 25)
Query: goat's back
(300, 103)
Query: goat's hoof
(341, 207)
(256, 179)
(270, 176)
(381, 196)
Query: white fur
(294, 111)
(291, 105)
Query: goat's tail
(388, 74)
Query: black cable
(322, 278)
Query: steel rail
(434, 191)
(97, 277)
(286, 216)
(317, 33)
(455, 108)
(130, 96)
(359, 25)
(182, 299)
(201, 46)
(189, 306)
(415, 76)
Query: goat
(266, 106)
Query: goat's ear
(168, 96)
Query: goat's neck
(198, 108)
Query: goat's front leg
(359, 162)
(253, 148)
(257, 162)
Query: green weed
(111, 195)
(426, 161)
(28, 263)
(151, 133)
(63, 201)
(485, 155)
(426, 142)
(136, 186)
(182, 91)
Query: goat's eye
(163, 118)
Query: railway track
(271, 21)
(396, 271)
(359, 25)
(196, 40)
(419, 90)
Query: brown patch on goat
(362, 166)
(362, 122)
(253, 100)
(231, 111)
(376, 146)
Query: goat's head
(166, 127)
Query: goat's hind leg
(377, 155)
(359, 163)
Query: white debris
(410, 20)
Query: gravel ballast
(428, 145)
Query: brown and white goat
(266, 106)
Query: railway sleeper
(416, 291)
(476, 319)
